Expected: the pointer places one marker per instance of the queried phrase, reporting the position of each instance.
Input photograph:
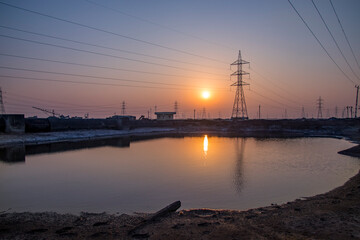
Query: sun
(205, 94)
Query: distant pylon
(123, 108)
(319, 106)
(203, 114)
(2, 107)
(176, 107)
(303, 112)
(336, 111)
(239, 108)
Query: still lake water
(201, 172)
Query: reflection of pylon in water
(239, 150)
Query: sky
(90, 56)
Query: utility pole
(351, 111)
(239, 108)
(194, 114)
(259, 111)
(319, 106)
(357, 98)
(123, 108)
(2, 107)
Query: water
(143, 176)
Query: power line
(273, 82)
(347, 40)
(96, 77)
(103, 54)
(273, 100)
(322, 46)
(159, 25)
(101, 46)
(108, 32)
(333, 38)
(18, 98)
(88, 83)
(276, 94)
(96, 66)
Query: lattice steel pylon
(320, 103)
(239, 108)
(2, 107)
(123, 108)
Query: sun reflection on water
(206, 143)
(205, 146)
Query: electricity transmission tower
(176, 107)
(203, 114)
(336, 111)
(319, 106)
(303, 112)
(239, 108)
(123, 108)
(2, 107)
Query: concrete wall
(59, 124)
(13, 123)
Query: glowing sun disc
(206, 94)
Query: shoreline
(331, 215)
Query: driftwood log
(156, 216)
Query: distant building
(165, 115)
(123, 117)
